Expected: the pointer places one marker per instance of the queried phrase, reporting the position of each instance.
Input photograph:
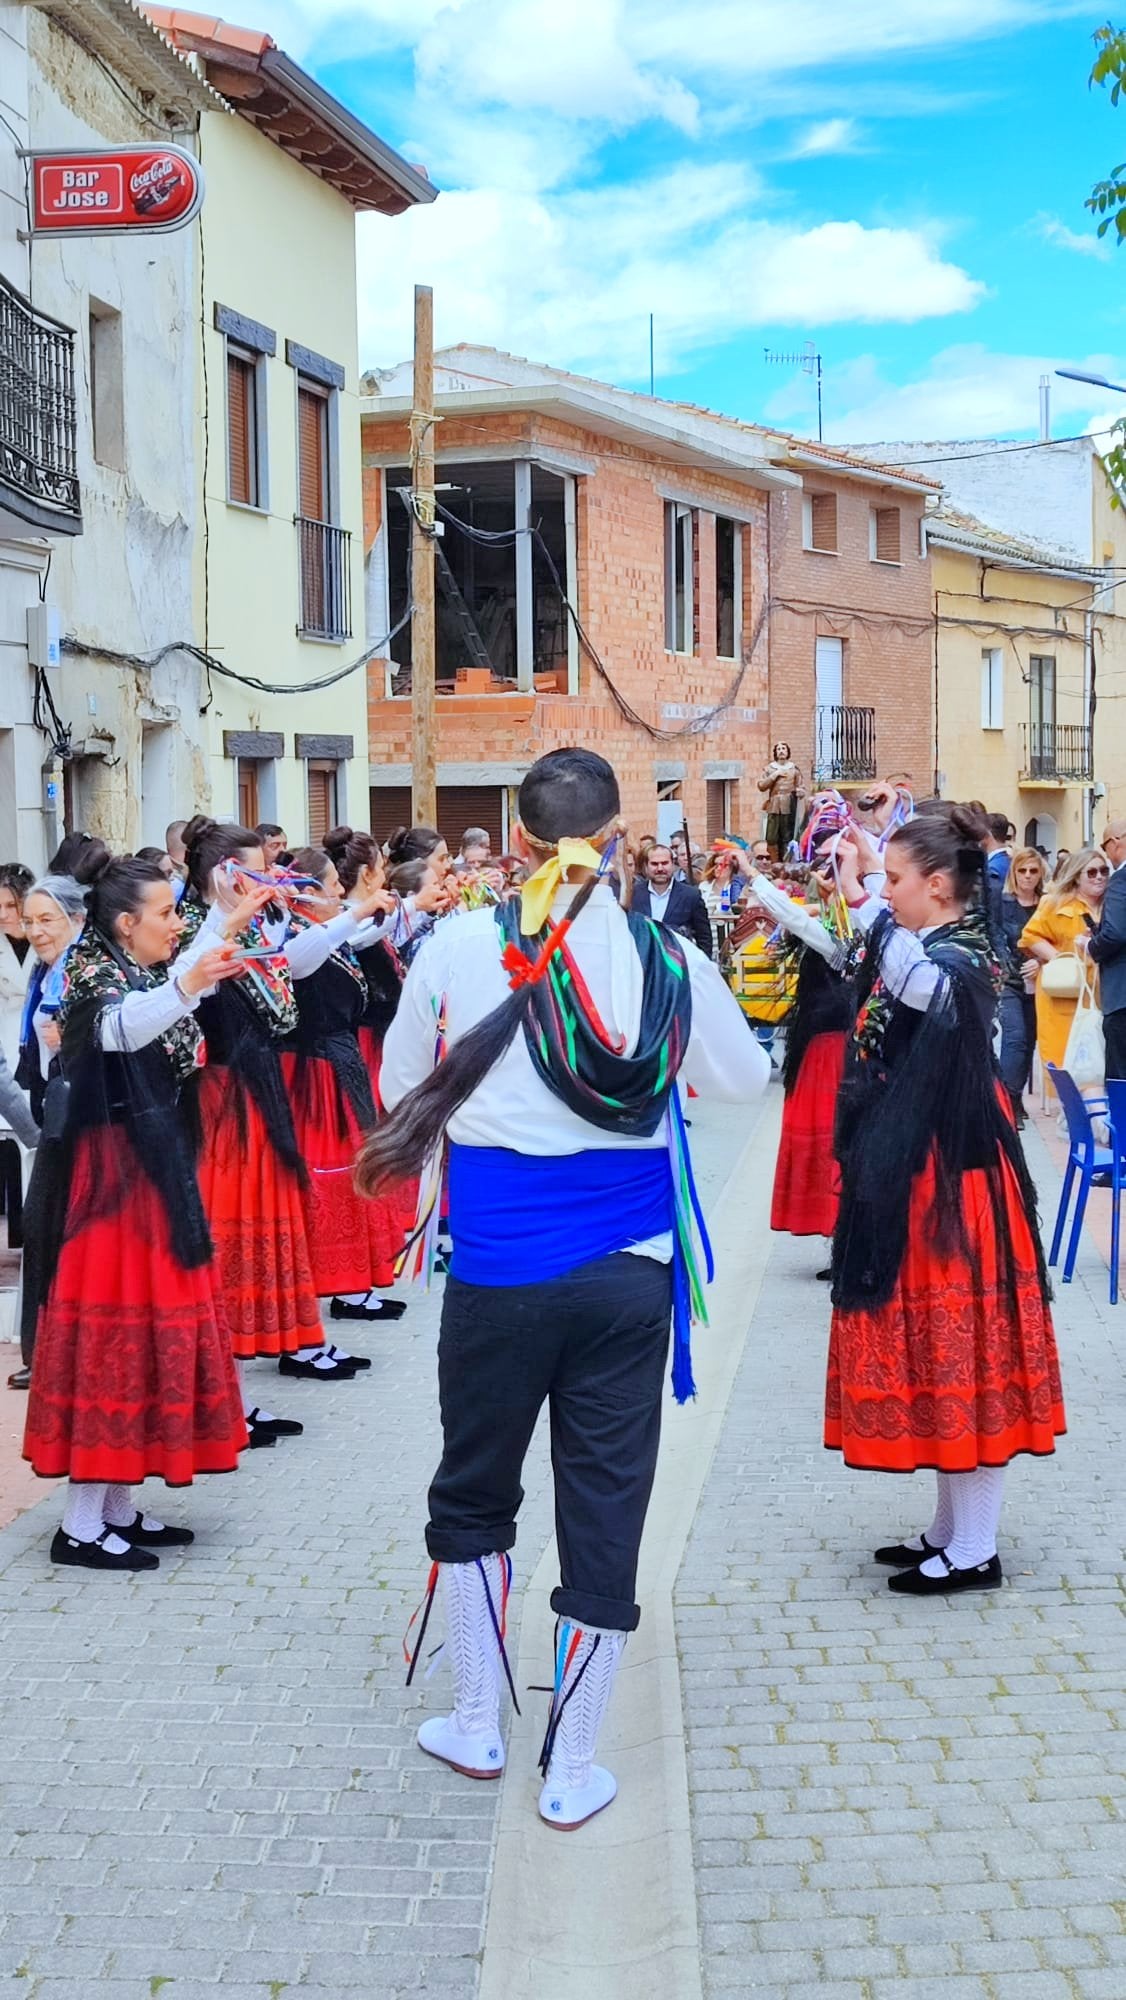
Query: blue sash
(522, 1218)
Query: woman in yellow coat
(1059, 919)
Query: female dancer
(942, 1352)
(353, 1243)
(251, 1174)
(133, 1374)
(806, 1183)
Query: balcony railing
(38, 418)
(1058, 750)
(845, 745)
(325, 572)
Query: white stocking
(84, 1513)
(942, 1527)
(119, 1510)
(976, 1500)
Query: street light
(1096, 381)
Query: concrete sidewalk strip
(614, 1907)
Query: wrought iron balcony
(326, 582)
(38, 418)
(844, 745)
(1059, 752)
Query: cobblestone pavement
(906, 1801)
(208, 1775)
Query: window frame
(993, 687)
(737, 529)
(680, 542)
(255, 362)
(105, 333)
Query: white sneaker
(567, 1809)
(474, 1756)
(575, 1787)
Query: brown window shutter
(823, 521)
(716, 808)
(460, 806)
(390, 809)
(322, 801)
(240, 430)
(248, 792)
(887, 534)
(312, 455)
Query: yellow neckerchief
(539, 891)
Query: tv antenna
(809, 361)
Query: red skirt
(257, 1220)
(371, 1049)
(134, 1376)
(955, 1371)
(806, 1177)
(353, 1241)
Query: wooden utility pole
(424, 792)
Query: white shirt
(907, 972)
(659, 902)
(512, 1107)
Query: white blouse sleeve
(312, 948)
(135, 1021)
(907, 972)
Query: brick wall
(883, 612)
(621, 600)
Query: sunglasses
(1097, 874)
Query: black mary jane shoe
(94, 1555)
(357, 1361)
(387, 1309)
(983, 1576)
(20, 1378)
(258, 1438)
(900, 1555)
(269, 1428)
(308, 1371)
(140, 1537)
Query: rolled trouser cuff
(608, 1614)
(467, 1545)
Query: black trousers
(593, 1346)
(1114, 1030)
(1018, 1039)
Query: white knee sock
(84, 1515)
(119, 1509)
(942, 1527)
(976, 1500)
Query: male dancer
(571, 1249)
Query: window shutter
(887, 534)
(390, 808)
(240, 429)
(716, 808)
(460, 806)
(321, 783)
(823, 522)
(312, 455)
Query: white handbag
(1085, 1055)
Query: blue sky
(901, 181)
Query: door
(248, 812)
(321, 784)
(1042, 715)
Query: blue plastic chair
(1085, 1158)
(1116, 1096)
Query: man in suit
(672, 902)
(1107, 949)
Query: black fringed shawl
(920, 1085)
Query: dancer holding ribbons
(942, 1352)
(562, 1024)
(133, 1375)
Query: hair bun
(196, 829)
(969, 823)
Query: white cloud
(571, 278)
(1051, 230)
(829, 135)
(967, 391)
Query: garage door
(460, 806)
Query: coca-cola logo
(162, 169)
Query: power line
(91, 650)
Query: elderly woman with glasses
(1069, 910)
